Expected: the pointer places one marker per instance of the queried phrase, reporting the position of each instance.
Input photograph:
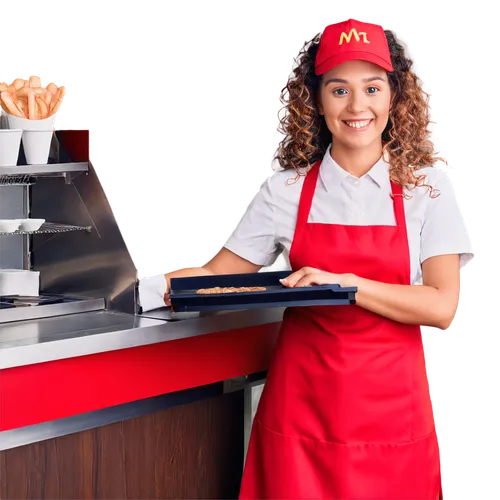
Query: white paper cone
(36, 145)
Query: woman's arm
(433, 303)
(225, 262)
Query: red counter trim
(57, 389)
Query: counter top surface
(48, 339)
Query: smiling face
(355, 99)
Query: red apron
(345, 412)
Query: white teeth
(358, 124)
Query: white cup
(26, 124)
(36, 144)
(10, 141)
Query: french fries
(28, 99)
(10, 105)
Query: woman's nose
(356, 102)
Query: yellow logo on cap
(348, 37)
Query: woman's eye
(340, 91)
(372, 90)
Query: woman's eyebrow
(366, 80)
(373, 78)
(335, 80)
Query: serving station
(98, 400)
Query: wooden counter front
(191, 451)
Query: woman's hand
(166, 296)
(308, 276)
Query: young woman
(346, 412)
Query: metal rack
(52, 228)
(17, 180)
(23, 177)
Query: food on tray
(28, 99)
(231, 289)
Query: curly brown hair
(405, 139)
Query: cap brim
(353, 56)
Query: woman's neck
(356, 161)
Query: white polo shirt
(434, 225)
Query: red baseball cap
(351, 40)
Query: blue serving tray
(183, 295)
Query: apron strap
(306, 196)
(399, 209)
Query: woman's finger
(305, 281)
(292, 279)
(317, 278)
(311, 279)
(166, 296)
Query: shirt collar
(331, 173)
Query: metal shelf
(68, 306)
(52, 228)
(48, 170)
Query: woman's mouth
(357, 124)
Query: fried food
(10, 105)
(232, 289)
(27, 97)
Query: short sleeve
(443, 229)
(254, 238)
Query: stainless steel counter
(47, 339)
